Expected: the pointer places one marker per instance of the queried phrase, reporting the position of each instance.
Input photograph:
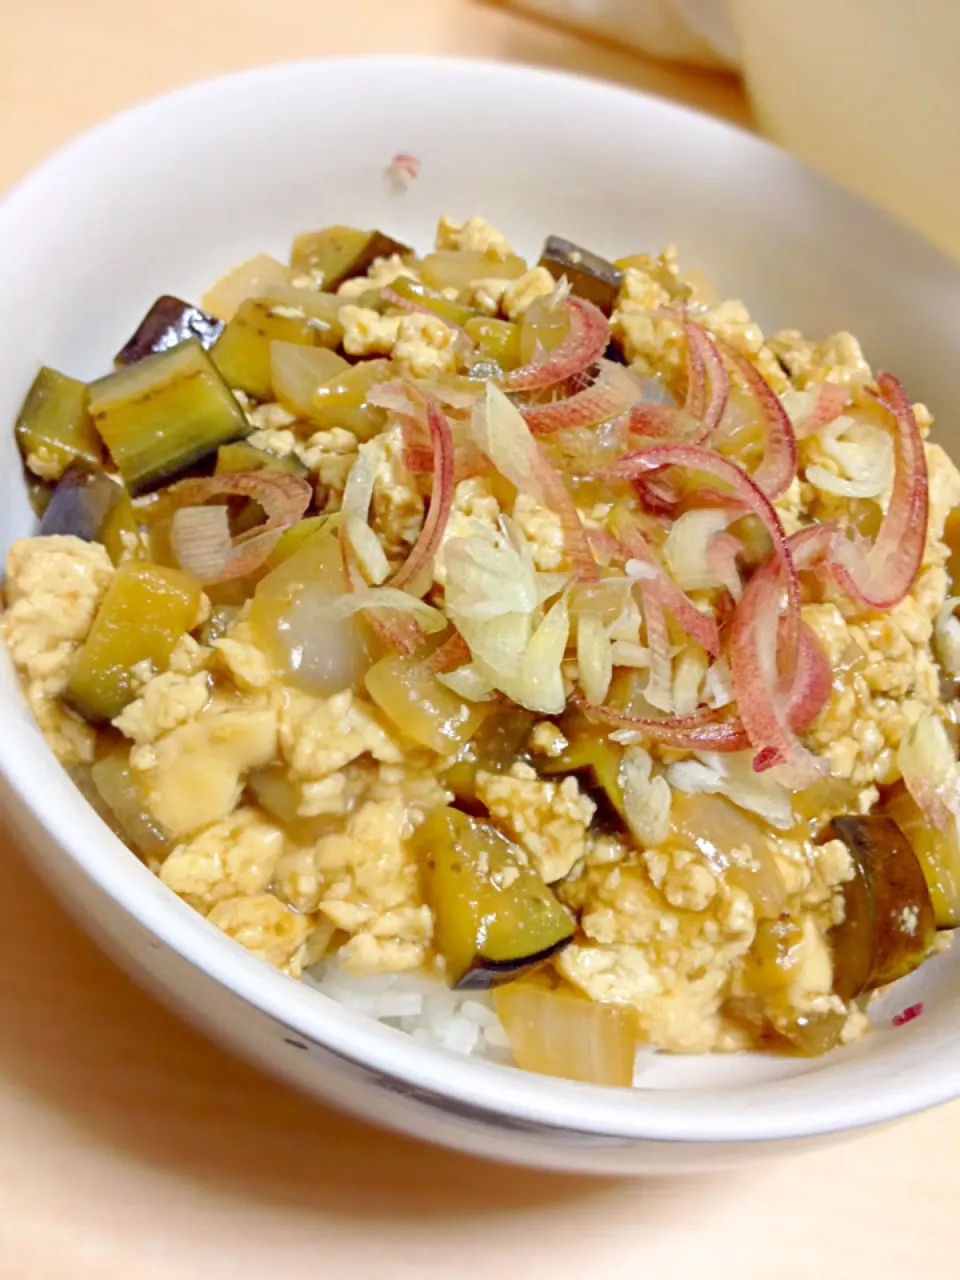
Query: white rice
(463, 1022)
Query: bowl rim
(473, 1087)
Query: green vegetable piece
(342, 402)
(340, 253)
(497, 744)
(292, 539)
(54, 428)
(164, 414)
(423, 709)
(145, 611)
(497, 340)
(242, 352)
(241, 456)
(888, 924)
(121, 533)
(414, 291)
(495, 917)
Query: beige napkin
(692, 31)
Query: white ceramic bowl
(163, 199)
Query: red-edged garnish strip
(711, 728)
(284, 500)
(778, 469)
(657, 584)
(582, 347)
(909, 1014)
(831, 400)
(613, 392)
(453, 653)
(708, 388)
(880, 577)
(397, 630)
(757, 681)
(743, 491)
(441, 498)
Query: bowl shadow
(124, 1071)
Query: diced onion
(370, 554)
(594, 657)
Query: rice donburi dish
(537, 657)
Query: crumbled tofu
(329, 455)
(53, 588)
(165, 702)
(547, 739)
(234, 858)
(366, 332)
(549, 819)
(370, 888)
(48, 464)
(189, 656)
(520, 294)
(318, 736)
(279, 442)
(268, 928)
(475, 513)
(487, 294)
(425, 346)
(476, 235)
(193, 776)
(397, 507)
(249, 667)
(682, 878)
(543, 530)
(383, 273)
(269, 422)
(837, 358)
(671, 961)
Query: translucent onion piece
(614, 391)
(583, 345)
(397, 629)
(864, 451)
(659, 690)
(251, 279)
(283, 498)
(733, 775)
(296, 371)
(722, 552)
(778, 469)
(541, 679)
(559, 1034)
(880, 577)
(685, 551)
(594, 657)
(370, 554)
(646, 798)
(500, 432)
(200, 540)
(928, 763)
(375, 598)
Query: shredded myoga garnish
(535, 657)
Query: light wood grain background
(129, 1146)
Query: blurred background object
(866, 90)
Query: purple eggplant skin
(170, 320)
(484, 975)
(590, 276)
(79, 504)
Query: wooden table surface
(129, 1146)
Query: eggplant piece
(145, 611)
(80, 505)
(54, 429)
(39, 495)
(341, 253)
(242, 456)
(591, 752)
(292, 539)
(497, 744)
(423, 709)
(170, 320)
(590, 276)
(937, 851)
(121, 532)
(163, 415)
(242, 352)
(615, 353)
(496, 918)
(889, 924)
